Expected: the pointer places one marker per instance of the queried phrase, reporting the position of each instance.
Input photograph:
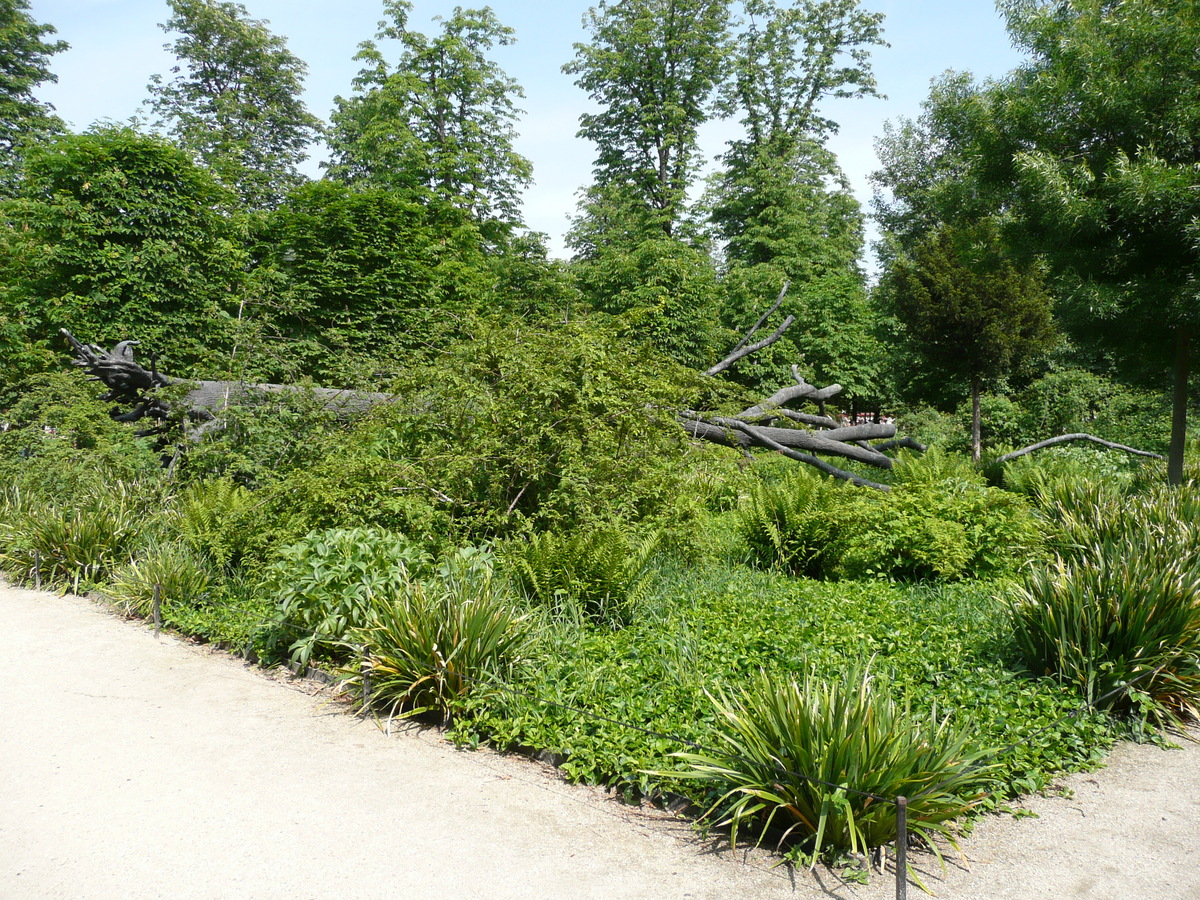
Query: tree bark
(1179, 405)
(976, 422)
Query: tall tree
(441, 123)
(1101, 130)
(651, 68)
(24, 64)
(119, 235)
(786, 62)
(968, 309)
(235, 99)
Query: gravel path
(135, 768)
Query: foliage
(537, 426)
(797, 523)
(651, 67)
(939, 521)
(596, 570)
(24, 64)
(72, 545)
(436, 641)
(207, 516)
(364, 275)
(439, 126)
(663, 292)
(182, 576)
(235, 99)
(1121, 626)
(969, 309)
(825, 756)
(119, 235)
(943, 650)
(325, 583)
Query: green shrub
(1120, 624)
(209, 516)
(433, 642)
(598, 571)
(71, 546)
(816, 756)
(181, 575)
(797, 523)
(324, 585)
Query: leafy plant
(599, 570)
(207, 514)
(178, 571)
(822, 757)
(1120, 625)
(325, 584)
(70, 546)
(796, 523)
(434, 641)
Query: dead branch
(1068, 438)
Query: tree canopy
(235, 99)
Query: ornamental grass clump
(435, 641)
(821, 760)
(1121, 624)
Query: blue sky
(116, 45)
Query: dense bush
(939, 521)
(598, 572)
(438, 640)
(820, 757)
(324, 585)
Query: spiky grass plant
(179, 572)
(1121, 624)
(435, 641)
(70, 546)
(600, 572)
(819, 760)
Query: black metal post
(901, 848)
(157, 609)
(365, 669)
(37, 570)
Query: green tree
(119, 235)
(969, 310)
(784, 64)
(441, 124)
(364, 276)
(651, 68)
(235, 99)
(24, 64)
(1099, 131)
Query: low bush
(324, 585)
(1120, 624)
(433, 642)
(599, 572)
(181, 575)
(821, 757)
(70, 546)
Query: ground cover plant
(579, 627)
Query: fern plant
(600, 571)
(207, 518)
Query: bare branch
(758, 437)
(753, 348)
(757, 325)
(1067, 438)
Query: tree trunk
(1179, 409)
(976, 417)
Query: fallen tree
(802, 434)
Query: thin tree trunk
(976, 417)
(1179, 410)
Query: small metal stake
(365, 669)
(157, 608)
(901, 848)
(37, 570)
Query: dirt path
(136, 768)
